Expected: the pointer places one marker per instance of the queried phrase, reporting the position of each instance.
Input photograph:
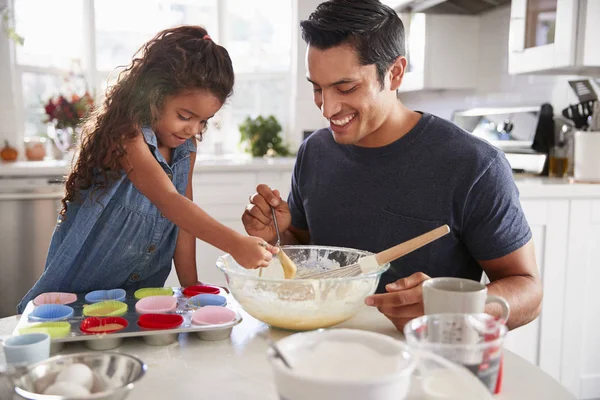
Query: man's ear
(396, 72)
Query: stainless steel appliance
(511, 129)
(28, 211)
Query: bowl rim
(99, 395)
(222, 265)
(324, 332)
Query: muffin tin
(104, 325)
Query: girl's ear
(396, 72)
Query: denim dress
(117, 239)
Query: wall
(305, 115)
(495, 87)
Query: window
(73, 43)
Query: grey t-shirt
(374, 198)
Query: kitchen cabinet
(441, 52)
(581, 347)
(554, 37)
(539, 342)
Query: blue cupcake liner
(51, 312)
(104, 295)
(205, 299)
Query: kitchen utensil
(372, 263)
(146, 292)
(51, 312)
(108, 308)
(206, 299)
(55, 298)
(584, 90)
(472, 340)
(54, 329)
(579, 113)
(96, 325)
(343, 364)
(212, 315)
(275, 349)
(105, 341)
(156, 305)
(103, 295)
(160, 321)
(459, 295)
(289, 268)
(192, 291)
(115, 375)
(302, 304)
(27, 349)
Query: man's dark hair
(372, 28)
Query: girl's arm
(185, 251)
(149, 178)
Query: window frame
(96, 78)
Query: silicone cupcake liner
(104, 295)
(99, 325)
(212, 315)
(147, 292)
(191, 291)
(156, 305)
(160, 321)
(56, 330)
(109, 308)
(55, 298)
(203, 300)
(51, 312)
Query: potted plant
(262, 136)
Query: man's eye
(181, 117)
(348, 91)
(316, 90)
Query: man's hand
(257, 218)
(403, 302)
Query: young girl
(130, 189)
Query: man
(382, 174)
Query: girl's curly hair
(176, 60)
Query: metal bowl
(302, 304)
(114, 375)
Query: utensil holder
(587, 156)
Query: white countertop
(203, 163)
(530, 186)
(237, 368)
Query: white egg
(80, 374)
(67, 389)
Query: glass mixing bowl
(302, 304)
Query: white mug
(459, 296)
(27, 349)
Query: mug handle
(503, 303)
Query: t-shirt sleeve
(295, 198)
(494, 224)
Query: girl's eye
(348, 91)
(181, 117)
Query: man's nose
(330, 105)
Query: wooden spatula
(373, 262)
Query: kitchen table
(237, 368)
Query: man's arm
(515, 277)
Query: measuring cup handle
(503, 303)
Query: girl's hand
(253, 252)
